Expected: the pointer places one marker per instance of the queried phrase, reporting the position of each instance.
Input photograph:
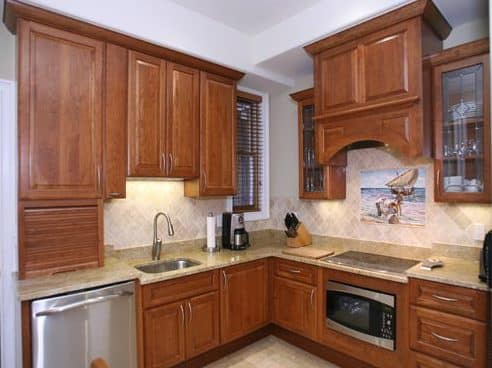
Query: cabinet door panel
(385, 65)
(146, 116)
(202, 332)
(294, 306)
(183, 121)
(337, 86)
(116, 102)
(60, 114)
(164, 335)
(218, 135)
(243, 299)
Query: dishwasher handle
(83, 303)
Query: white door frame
(9, 306)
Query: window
(251, 155)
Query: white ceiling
(247, 16)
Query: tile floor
(271, 352)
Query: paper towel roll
(211, 231)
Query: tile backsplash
(128, 222)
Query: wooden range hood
(370, 83)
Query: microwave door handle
(83, 303)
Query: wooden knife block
(302, 239)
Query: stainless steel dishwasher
(72, 330)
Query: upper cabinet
(60, 114)
(368, 81)
(217, 138)
(183, 121)
(146, 115)
(316, 181)
(461, 100)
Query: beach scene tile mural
(393, 196)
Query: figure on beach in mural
(400, 186)
(394, 200)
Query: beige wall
(7, 51)
(468, 32)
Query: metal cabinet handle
(312, 298)
(83, 303)
(191, 313)
(171, 162)
(443, 298)
(181, 308)
(294, 271)
(98, 178)
(163, 161)
(115, 194)
(444, 338)
(224, 275)
(438, 180)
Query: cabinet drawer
(296, 271)
(417, 360)
(446, 298)
(180, 288)
(458, 340)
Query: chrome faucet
(157, 242)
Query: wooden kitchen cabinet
(461, 95)
(202, 333)
(217, 138)
(373, 73)
(164, 335)
(146, 115)
(244, 299)
(180, 319)
(60, 114)
(448, 324)
(316, 181)
(115, 127)
(295, 306)
(183, 121)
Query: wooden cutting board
(308, 252)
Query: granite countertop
(119, 267)
(455, 272)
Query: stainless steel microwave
(361, 313)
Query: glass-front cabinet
(461, 99)
(316, 181)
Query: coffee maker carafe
(234, 235)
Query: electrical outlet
(477, 231)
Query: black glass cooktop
(374, 262)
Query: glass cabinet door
(463, 141)
(313, 174)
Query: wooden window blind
(249, 153)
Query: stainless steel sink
(167, 265)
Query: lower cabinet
(164, 335)
(181, 329)
(294, 306)
(244, 299)
(417, 360)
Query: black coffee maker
(234, 235)
(486, 260)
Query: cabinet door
(462, 131)
(183, 121)
(164, 335)
(218, 135)
(337, 79)
(202, 333)
(294, 306)
(389, 70)
(243, 299)
(115, 138)
(146, 115)
(60, 114)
